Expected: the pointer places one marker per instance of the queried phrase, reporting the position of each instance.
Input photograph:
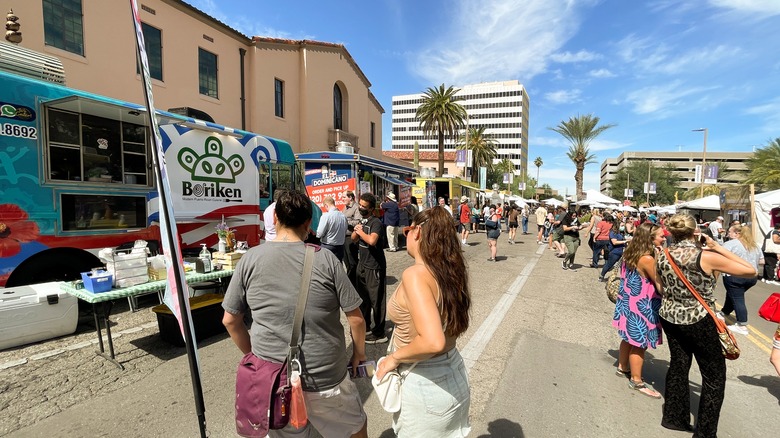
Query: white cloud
(650, 56)
(568, 57)
(770, 112)
(515, 38)
(563, 96)
(606, 145)
(763, 7)
(246, 24)
(601, 73)
(663, 100)
(557, 142)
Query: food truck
(428, 190)
(329, 173)
(76, 174)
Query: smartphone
(703, 240)
(365, 369)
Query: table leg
(97, 327)
(105, 314)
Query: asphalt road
(541, 353)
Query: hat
(464, 199)
(720, 218)
(391, 196)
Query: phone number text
(21, 131)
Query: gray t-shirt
(267, 281)
(752, 256)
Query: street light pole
(703, 160)
(647, 199)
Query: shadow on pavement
(771, 383)
(503, 428)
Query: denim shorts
(435, 399)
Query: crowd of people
(429, 309)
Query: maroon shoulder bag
(263, 390)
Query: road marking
(755, 341)
(476, 345)
(759, 344)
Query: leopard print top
(679, 306)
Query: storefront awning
(395, 181)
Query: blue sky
(655, 68)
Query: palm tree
(482, 147)
(439, 113)
(764, 166)
(538, 163)
(580, 131)
(505, 166)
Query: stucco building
(310, 93)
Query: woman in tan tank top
(430, 309)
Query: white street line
(484, 333)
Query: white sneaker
(720, 316)
(741, 329)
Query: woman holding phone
(430, 309)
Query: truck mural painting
(75, 177)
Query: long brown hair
(641, 244)
(441, 252)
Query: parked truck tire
(55, 264)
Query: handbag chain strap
(303, 295)
(718, 323)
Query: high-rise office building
(500, 107)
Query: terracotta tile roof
(424, 155)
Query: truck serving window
(101, 212)
(90, 148)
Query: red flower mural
(15, 229)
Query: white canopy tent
(766, 204)
(627, 208)
(593, 196)
(552, 201)
(711, 202)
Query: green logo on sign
(212, 166)
(7, 111)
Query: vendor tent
(593, 196)
(766, 205)
(552, 201)
(627, 208)
(711, 202)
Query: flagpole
(177, 284)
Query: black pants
(337, 250)
(351, 260)
(770, 266)
(371, 288)
(686, 341)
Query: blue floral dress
(636, 310)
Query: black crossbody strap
(303, 295)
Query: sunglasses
(406, 230)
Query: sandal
(621, 373)
(643, 389)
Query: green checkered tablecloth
(145, 288)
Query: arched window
(338, 108)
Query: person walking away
(601, 239)
(513, 213)
(391, 218)
(464, 217)
(269, 220)
(557, 233)
(524, 218)
(717, 230)
(493, 233)
(332, 228)
(430, 309)
(500, 213)
(636, 309)
(371, 270)
(618, 241)
(771, 248)
(689, 329)
(541, 215)
(265, 287)
(570, 229)
(742, 244)
(595, 218)
(353, 217)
